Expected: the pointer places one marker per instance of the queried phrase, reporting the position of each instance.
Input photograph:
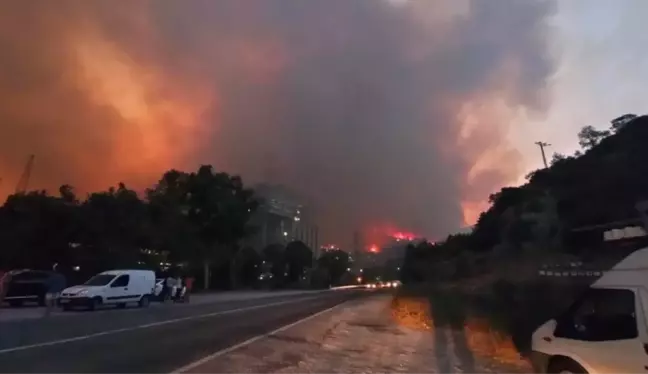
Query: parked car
(30, 286)
(605, 331)
(114, 287)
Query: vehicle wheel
(94, 303)
(144, 301)
(564, 366)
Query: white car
(115, 287)
(605, 331)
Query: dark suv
(29, 285)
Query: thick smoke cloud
(382, 113)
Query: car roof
(27, 271)
(632, 271)
(125, 271)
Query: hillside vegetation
(549, 217)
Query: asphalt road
(150, 340)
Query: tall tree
(336, 262)
(115, 227)
(589, 137)
(171, 230)
(621, 121)
(298, 258)
(275, 255)
(37, 229)
(215, 208)
(249, 265)
(557, 157)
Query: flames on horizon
(376, 112)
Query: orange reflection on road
(412, 312)
(485, 342)
(471, 339)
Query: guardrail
(569, 273)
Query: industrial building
(282, 218)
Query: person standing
(170, 288)
(5, 277)
(189, 281)
(178, 288)
(55, 284)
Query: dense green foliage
(196, 220)
(600, 184)
(337, 262)
(193, 218)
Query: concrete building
(282, 218)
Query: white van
(605, 331)
(114, 287)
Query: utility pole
(317, 248)
(21, 187)
(542, 146)
(356, 248)
(316, 252)
(356, 242)
(313, 244)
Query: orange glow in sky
(103, 94)
(158, 125)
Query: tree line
(198, 220)
(599, 184)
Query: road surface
(32, 311)
(376, 334)
(150, 340)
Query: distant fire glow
(330, 247)
(384, 234)
(403, 236)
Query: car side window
(601, 315)
(121, 281)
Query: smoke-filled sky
(385, 113)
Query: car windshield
(100, 280)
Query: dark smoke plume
(382, 113)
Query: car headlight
(82, 292)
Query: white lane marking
(149, 325)
(234, 347)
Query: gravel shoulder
(375, 334)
